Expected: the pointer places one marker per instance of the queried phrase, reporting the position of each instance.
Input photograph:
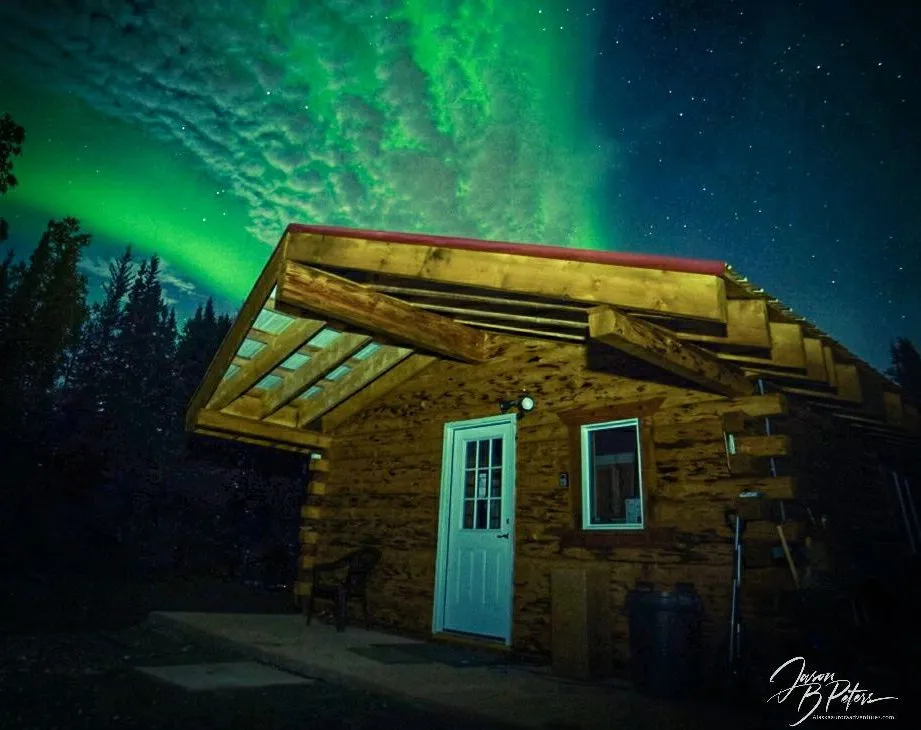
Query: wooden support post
(311, 517)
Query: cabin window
(612, 482)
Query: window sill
(616, 538)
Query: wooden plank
(699, 296)
(777, 445)
(754, 362)
(237, 333)
(848, 382)
(613, 412)
(254, 441)
(257, 429)
(893, 404)
(815, 359)
(819, 394)
(755, 406)
(516, 302)
(346, 345)
(505, 316)
(770, 487)
(829, 355)
(266, 360)
(787, 376)
(661, 348)
(746, 326)
(787, 346)
(871, 390)
(338, 298)
(520, 330)
(377, 389)
(362, 374)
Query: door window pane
(469, 480)
(495, 513)
(480, 514)
(468, 514)
(482, 484)
(495, 487)
(484, 453)
(497, 452)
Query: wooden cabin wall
(385, 471)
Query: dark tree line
(92, 403)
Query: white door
(476, 528)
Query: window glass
(612, 490)
(483, 484)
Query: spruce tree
(906, 369)
(12, 137)
(44, 308)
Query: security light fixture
(524, 404)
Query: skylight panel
(312, 391)
(231, 371)
(339, 372)
(269, 382)
(324, 338)
(365, 352)
(269, 321)
(250, 348)
(295, 361)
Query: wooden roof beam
(682, 294)
(661, 348)
(237, 333)
(295, 336)
(362, 374)
(376, 390)
(746, 326)
(213, 421)
(346, 345)
(305, 288)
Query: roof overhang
(339, 317)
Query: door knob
(505, 536)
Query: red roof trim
(617, 258)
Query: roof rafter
(265, 361)
(213, 421)
(237, 333)
(346, 345)
(318, 292)
(362, 374)
(661, 348)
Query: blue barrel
(665, 644)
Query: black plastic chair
(358, 565)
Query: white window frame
(588, 474)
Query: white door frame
(444, 509)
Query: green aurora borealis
(780, 137)
(126, 187)
(441, 122)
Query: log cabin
(526, 432)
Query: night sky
(781, 137)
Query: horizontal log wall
(386, 468)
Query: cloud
(334, 111)
(172, 283)
(169, 279)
